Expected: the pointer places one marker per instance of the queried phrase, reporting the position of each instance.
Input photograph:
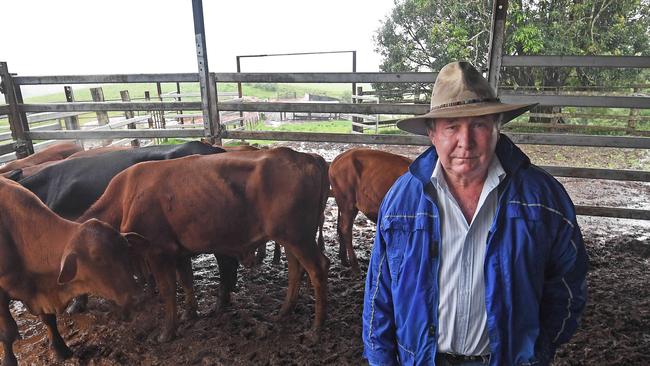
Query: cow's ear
(68, 269)
(15, 175)
(136, 241)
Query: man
(478, 258)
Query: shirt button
(432, 330)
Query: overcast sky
(157, 36)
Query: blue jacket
(535, 268)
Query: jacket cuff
(378, 358)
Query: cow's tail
(325, 192)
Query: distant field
(137, 92)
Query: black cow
(70, 187)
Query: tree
(421, 35)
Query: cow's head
(97, 260)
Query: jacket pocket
(530, 236)
(400, 231)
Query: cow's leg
(277, 253)
(186, 279)
(8, 331)
(228, 275)
(161, 266)
(316, 265)
(344, 227)
(78, 305)
(261, 254)
(57, 344)
(295, 274)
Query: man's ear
(430, 135)
(68, 268)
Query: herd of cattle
(75, 222)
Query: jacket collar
(510, 156)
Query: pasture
(616, 318)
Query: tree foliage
(421, 35)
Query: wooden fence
(17, 112)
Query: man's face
(465, 145)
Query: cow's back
(362, 177)
(55, 152)
(70, 187)
(211, 202)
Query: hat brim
(417, 125)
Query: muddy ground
(615, 329)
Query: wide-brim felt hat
(461, 91)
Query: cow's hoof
(344, 261)
(62, 352)
(9, 360)
(282, 315)
(165, 336)
(311, 337)
(77, 307)
(124, 314)
(189, 314)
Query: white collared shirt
(462, 315)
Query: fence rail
(257, 77)
(6, 148)
(623, 213)
(521, 138)
(65, 110)
(581, 61)
(577, 101)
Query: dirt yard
(615, 329)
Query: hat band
(466, 101)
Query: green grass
(137, 92)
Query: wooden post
(240, 91)
(102, 116)
(354, 69)
(178, 99)
(634, 113)
(216, 121)
(124, 95)
(72, 122)
(147, 97)
(497, 37)
(162, 113)
(211, 124)
(17, 120)
(355, 128)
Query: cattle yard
(246, 333)
(613, 201)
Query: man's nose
(465, 138)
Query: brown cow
(28, 171)
(53, 152)
(45, 261)
(235, 202)
(250, 261)
(360, 179)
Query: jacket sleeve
(565, 289)
(378, 320)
